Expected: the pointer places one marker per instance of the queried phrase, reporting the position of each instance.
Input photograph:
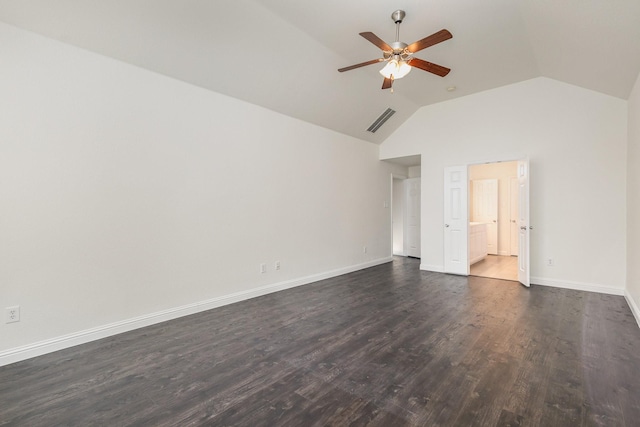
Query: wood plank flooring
(386, 346)
(496, 267)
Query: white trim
(431, 267)
(579, 286)
(633, 306)
(81, 337)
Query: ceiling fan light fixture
(397, 69)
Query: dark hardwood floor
(386, 346)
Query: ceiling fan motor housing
(398, 47)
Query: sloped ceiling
(284, 54)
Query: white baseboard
(81, 337)
(633, 306)
(431, 267)
(578, 286)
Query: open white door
(513, 216)
(523, 223)
(456, 221)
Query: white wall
(633, 203)
(576, 142)
(126, 193)
(415, 171)
(503, 172)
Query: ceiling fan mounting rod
(397, 17)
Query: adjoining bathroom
(493, 217)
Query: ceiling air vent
(381, 120)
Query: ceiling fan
(398, 55)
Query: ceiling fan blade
(434, 38)
(362, 64)
(436, 69)
(377, 41)
(386, 84)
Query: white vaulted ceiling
(284, 54)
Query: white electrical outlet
(263, 268)
(550, 262)
(12, 314)
(276, 265)
(364, 249)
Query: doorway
(493, 210)
(412, 217)
(458, 229)
(405, 208)
(405, 216)
(397, 214)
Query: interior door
(485, 209)
(523, 223)
(456, 221)
(513, 216)
(412, 219)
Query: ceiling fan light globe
(390, 69)
(403, 70)
(395, 68)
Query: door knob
(446, 225)
(523, 228)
